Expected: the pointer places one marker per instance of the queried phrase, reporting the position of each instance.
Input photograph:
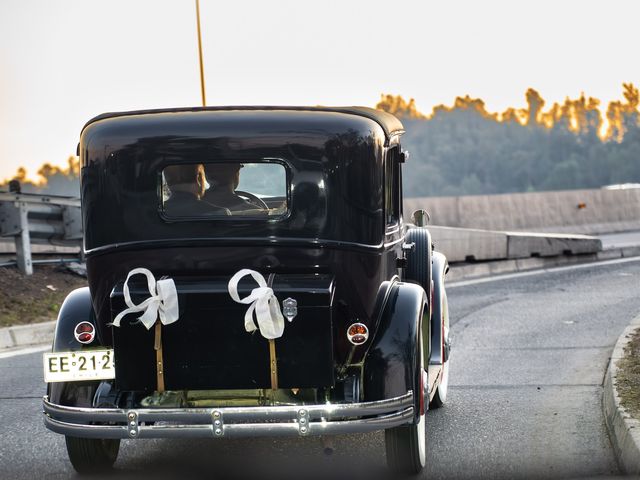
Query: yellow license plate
(78, 366)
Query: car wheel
(440, 396)
(91, 455)
(419, 258)
(406, 445)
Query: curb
(25, 335)
(624, 431)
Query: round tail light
(84, 332)
(358, 333)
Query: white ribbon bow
(163, 301)
(263, 303)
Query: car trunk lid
(208, 347)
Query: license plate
(78, 366)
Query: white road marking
(25, 351)
(507, 276)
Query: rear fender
(76, 308)
(390, 365)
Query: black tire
(406, 445)
(91, 455)
(418, 268)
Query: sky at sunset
(65, 61)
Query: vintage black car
(250, 274)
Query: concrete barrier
(462, 244)
(574, 211)
(6, 340)
(24, 335)
(523, 245)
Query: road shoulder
(623, 430)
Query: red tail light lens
(84, 332)
(358, 333)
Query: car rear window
(255, 189)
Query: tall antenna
(204, 98)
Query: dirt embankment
(36, 298)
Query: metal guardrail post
(72, 222)
(23, 242)
(14, 222)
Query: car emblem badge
(290, 308)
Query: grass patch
(628, 376)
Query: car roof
(389, 123)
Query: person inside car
(224, 179)
(186, 184)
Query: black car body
(329, 238)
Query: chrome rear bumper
(303, 420)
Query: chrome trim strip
(298, 242)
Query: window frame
(392, 199)
(226, 218)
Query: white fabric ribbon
(264, 305)
(163, 301)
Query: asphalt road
(528, 360)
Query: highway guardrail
(39, 219)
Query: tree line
(53, 180)
(466, 150)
